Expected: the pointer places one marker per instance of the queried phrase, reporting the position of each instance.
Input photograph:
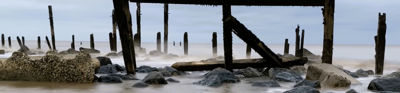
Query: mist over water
(351, 57)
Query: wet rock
(314, 84)
(238, 72)
(299, 69)
(172, 71)
(118, 67)
(26, 50)
(218, 76)
(109, 79)
(250, 72)
(385, 92)
(361, 73)
(323, 71)
(212, 81)
(140, 50)
(154, 78)
(146, 69)
(69, 51)
(140, 85)
(104, 60)
(302, 89)
(392, 75)
(351, 91)
(112, 54)
(349, 73)
(124, 77)
(329, 79)
(285, 75)
(165, 73)
(107, 69)
(385, 84)
(266, 84)
(95, 78)
(370, 72)
(173, 80)
(156, 53)
(170, 56)
(88, 50)
(2, 51)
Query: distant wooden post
(173, 43)
(123, 18)
(53, 38)
(9, 42)
(227, 30)
(214, 44)
(38, 42)
(286, 50)
(23, 40)
(328, 12)
(248, 51)
(110, 37)
(136, 39)
(2, 40)
(297, 42)
(73, 42)
(302, 44)
(165, 27)
(185, 43)
(380, 44)
(138, 18)
(159, 41)
(180, 43)
(48, 43)
(114, 33)
(91, 41)
(19, 41)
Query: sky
(356, 21)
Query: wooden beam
(241, 2)
(328, 11)
(227, 35)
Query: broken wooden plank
(237, 64)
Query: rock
(110, 79)
(88, 50)
(26, 50)
(361, 73)
(314, 84)
(349, 72)
(112, 54)
(146, 69)
(385, 84)
(385, 92)
(95, 78)
(154, 78)
(315, 71)
(170, 56)
(118, 67)
(351, 91)
(107, 69)
(156, 53)
(250, 72)
(218, 76)
(370, 72)
(104, 60)
(69, 51)
(266, 84)
(140, 85)
(212, 81)
(285, 75)
(392, 75)
(299, 69)
(173, 80)
(172, 71)
(165, 73)
(123, 77)
(302, 89)
(238, 72)
(329, 79)
(209, 59)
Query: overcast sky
(356, 21)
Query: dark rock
(107, 69)
(140, 85)
(250, 72)
(314, 84)
(370, 72)
(349, 73)
(385, 84)
(385, 92)
(218, 76)
(173, 80)
(299, 69)
(238, 72)
(285, 75)
(392, 75)
(104, 60)
(88, 50)
(172, 71)
(361, 73)
(154, 78)
(123, 77)
(146, 69)
(351, 91)
(165, 73)
(212, 81)
(112, 54)
(69, 51)
(302, 89)
(118, 67)
(95, 78)
(266, 84)
(109, 79)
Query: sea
(351, 57)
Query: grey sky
(355, 21)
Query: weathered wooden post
(286, 50)
(2, 40)
(23, 40)
(173, 43)
(185, 43)
(91, 41)
(328, 12)
(297, 42)
(53, 38)
(114, 33)
(19, 41)
(73, 42)
(38, 42)
(248, 51)
(380, 44)
(110, 37)
(302, 44)
(214, 44)
(180, 43)
(165, 27)
(123, 18)
(159, 41)
(9, 42)
(138, 18)
(136, 40)
(48, 43)
(227, 30)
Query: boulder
(173, 80)
(299, 69)
(314, 84)
(171, 71)
(88, 50)
(69, 51)
(385, 84)
(112, 54)
(154, 78)
(361, 73)
(156, 53)
(315, 70)
(392, 75)
(250, 72)
(348, 72)
(124, 77)
(302, 89)
(266, 84)
(212, 81)
(285, 75)
(146, 69)
(109, 79)
(329, 79)
(118, 67)
(218, 76)
(104, 60)
(370, 72)
(140, 85)
(351, 91)
(107, 69)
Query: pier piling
(136, 40)
(248, 51)
(227, 34)
(73, 42)
(185, 43)
(214, 44)
(110, 38)
(38, 42)
(297, 41)
(48, 43)
(165, 27)
(114, 33)
(2, 40)
(138, 19)
(328, 13)
(53, 38)
(159, 41)
(380, 44)
(286, 50)
(91, 41)
(302, 44)
(19, 41)
(23, 40)
(9, 42)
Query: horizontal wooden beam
(241, 2)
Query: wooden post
(248, 51)
(73, 42)
(91, 41)
(9, 42)
(302, 44)
(110, 37)
(38, 42)
(214, 44)
(48, 43)
(185, 43)
(23, 40)
(380, 45)
(328, 12)
(227, 30)
(114, 33)
(297, 42)
(138, 18)
(159, 41)
(173, 43)
(123, 18)
(135, 40)
(2, 40)
(53, 38)
(165, 27)
(19, 41)
(180, 43)
(286, 50)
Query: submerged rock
(140, 85)
(154, 78)
(361, 73)
(390, 82)
(250, 72)
(69, 51)
(218, 76)
(112, 54)
(124, 77)
(285, 75)
(329, 75)
(314, 84)
(370, 72)
(110, 79)
(212, 81)
(299, 69)
(173, 80)
(302, 89)
(266, 84)
(351, 91)
(349, 73)
(107, 69)
(146, 69)
(88, 50)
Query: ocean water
(351, 57)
